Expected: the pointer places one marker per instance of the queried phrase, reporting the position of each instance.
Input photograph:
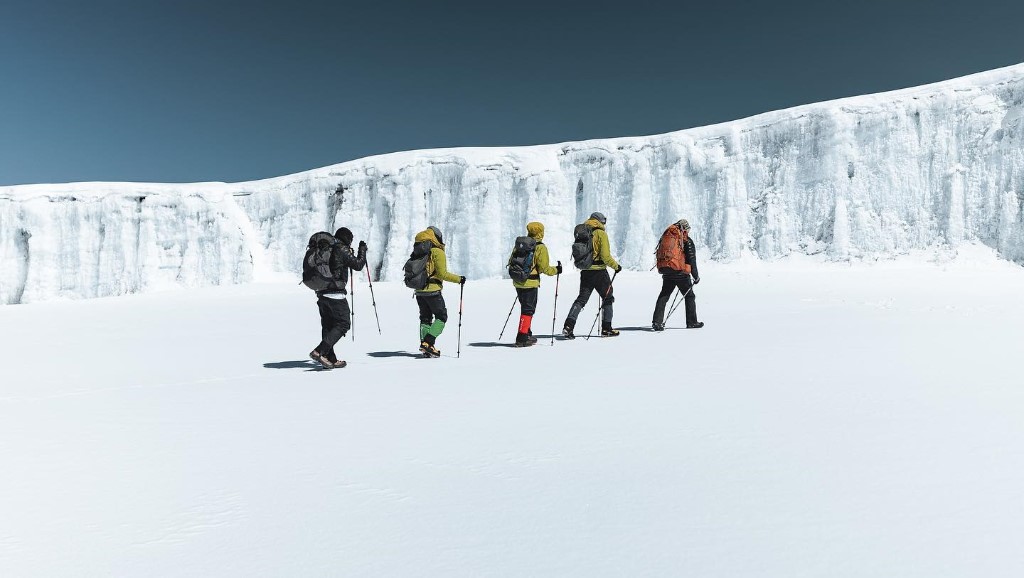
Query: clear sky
(196, 90)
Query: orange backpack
(670, 252)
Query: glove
(559, 268)
(696, 280)
(362, 248)
(618, 268)
(462, 280)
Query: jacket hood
(429, 235)
(594, 224)
(535, 230)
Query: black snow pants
(670, 281)
(335, 321)
(590, 281)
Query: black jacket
(342, 260)
(691, 257)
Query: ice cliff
(860, 178)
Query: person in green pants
(433, 314)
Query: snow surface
(831, 420)
(862, 178)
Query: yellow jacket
(541, 261)
(602, 253)
(437, 267)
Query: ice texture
(862, 178)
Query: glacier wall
(860, 178)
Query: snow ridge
(862, 178)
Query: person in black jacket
(335, 316)
(672, 279)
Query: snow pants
(433, 316)
(527, 307)
(671, 281)
(590, 281)
(335, 321)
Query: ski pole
(352, 279)
(554, 313)
(509, 316)
(458, 351)
(600, 305)
(373, 299)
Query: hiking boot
(322, 360)
(658, 326)
(609, 332)
(429, 350)
(567, 332)
(696, 325)
(524, 340)
(339, 364)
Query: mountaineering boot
(658, 326)
(696, 325)
(429, 350)
(322, 360)
(570, 324)
(524, 340)
(607, 331)
(427, 346)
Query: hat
(437, 234)
(600, 218)
(683, 224)
(344, 235)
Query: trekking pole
(458, 351)
(509, 317)
(554, 313)
(373, 300)
(672, 306)
(676, 306)
(600, 305)
(352, 284)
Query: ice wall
(860, 178)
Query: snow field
(829, 420)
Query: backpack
(520, 263)
(583, 246)
(670, 253)
(416, 275)
(316, 264)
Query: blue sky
(229, 91)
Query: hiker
(528, 260)
(677, 262)
(425, 272)
(591, 254)
(335, 315)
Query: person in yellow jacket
(528, 289)
(433, 314)
(595, 277)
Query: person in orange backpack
(677, 262)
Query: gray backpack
(583, 246)
(416, 276)
(316, 264)
(520, 263)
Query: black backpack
(583, 246)
(520, 263)
(316, 264)
(416, 275)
